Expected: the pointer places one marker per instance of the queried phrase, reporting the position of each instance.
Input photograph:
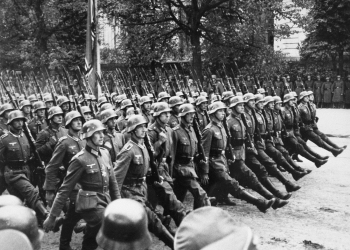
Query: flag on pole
(92, 51)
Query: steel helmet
(32, 98)
(288, 97)
(236, 100)
(85, 109)
(261, 91)
(93, 97)
(204, 94)
(201, 99)
(163, 95)
(216, 98)
(55, 110)
(22, 219)
(175, 100)
(15, 114)
(150, 96)
(21, 98)
(310, 92)
(90, 127)
(268, 99)
(131, 111)
(303, 94)
(191, 100)
(125, 103)
(107, 114)
(259, 98)
(144, 99)
(6, 107)
(113, 95)
(294, 94)
(101, 100)
(106, 106)
(62, 100)
(124, 226)
(13, 240)
(215, 106)
(195, 93)
(48, 98)
(39, 105)
(160, 107)
(70, 116)
(185, 109)
(10, 200)
(134, 121)
(277, 99)
(227, 95)
(239, 94)
(179, 93)
(24, 103)
(120, 98)
(249, 96)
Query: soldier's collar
(73, 136)
(92, 151)
(186, 127)
(247, 110)
(161, 126)
(140, 143)
(18, 136)
(219, 124)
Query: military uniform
(148, 116)
(214, 143)
(121, 123)
(36, 125)
(131, 170)
(338, 91)
(327, 93)
(174, 120)
(347, 93)
(165, 158)
(309, 85)
(67, 147)
(203, 121)
(279, 88)
(3, 126)
(113, 142)
(15, 153)
(185, 145)
(250, 86)
(317, 90)
(298, 86)
(47, 140)
(93, 170)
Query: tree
(328, 32)
(41, 32)
(213, 29)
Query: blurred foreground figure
(211, 228)
(14, 240)
(124, 226)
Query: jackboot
(279, 203)
(166, 237)
(279, 194)
(296, 174)
(313, 153)
(337, 152)
(261, 204)
(329, 142)
(334, 151)
(296, 157)
(291, 187)
(260, 189)
(318, 162)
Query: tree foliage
(37, 32)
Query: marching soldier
(121, 122)
(291, 141)
(307, 130)
(202, 106)
(327, 93)
(174, 104)
(38, 123)
(64, 103)
(161, 137)
(15, 156)
(185, 145)
(67, 147)
(48, 100)
(87, 113)
(32, 99)
(317, 89)
(113, 140)
(347, 92)
(215, 171)
(26, 107)
(132, 167)
(93, 170)
(49, 136)
(163, 97)
(338, 92)
(145, 104)
(5, 110)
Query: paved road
(318, 216)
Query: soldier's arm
(207, 136)
(113, 185)
(52, 168)
(2, 153)
(124, 159)
(44, 144)
(155, 141)
(74, 173)
(107, 144)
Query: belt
(216, 152)
(130, 181)
(237, 141)
(184, 159)
(103, 189)
(17, 164)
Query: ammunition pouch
(86, 200)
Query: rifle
(249, 139)
(229, 150)
(36, 163)
(103, 84)
(42, 98)
(52, 88)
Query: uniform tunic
(113, 142)
(203, 121)
(174, 120)
(298, 86)
(279, 88)
(309, 85)
(347, 91)
(317, 89)
(338, 90)
(36, 125)
(327, 92)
